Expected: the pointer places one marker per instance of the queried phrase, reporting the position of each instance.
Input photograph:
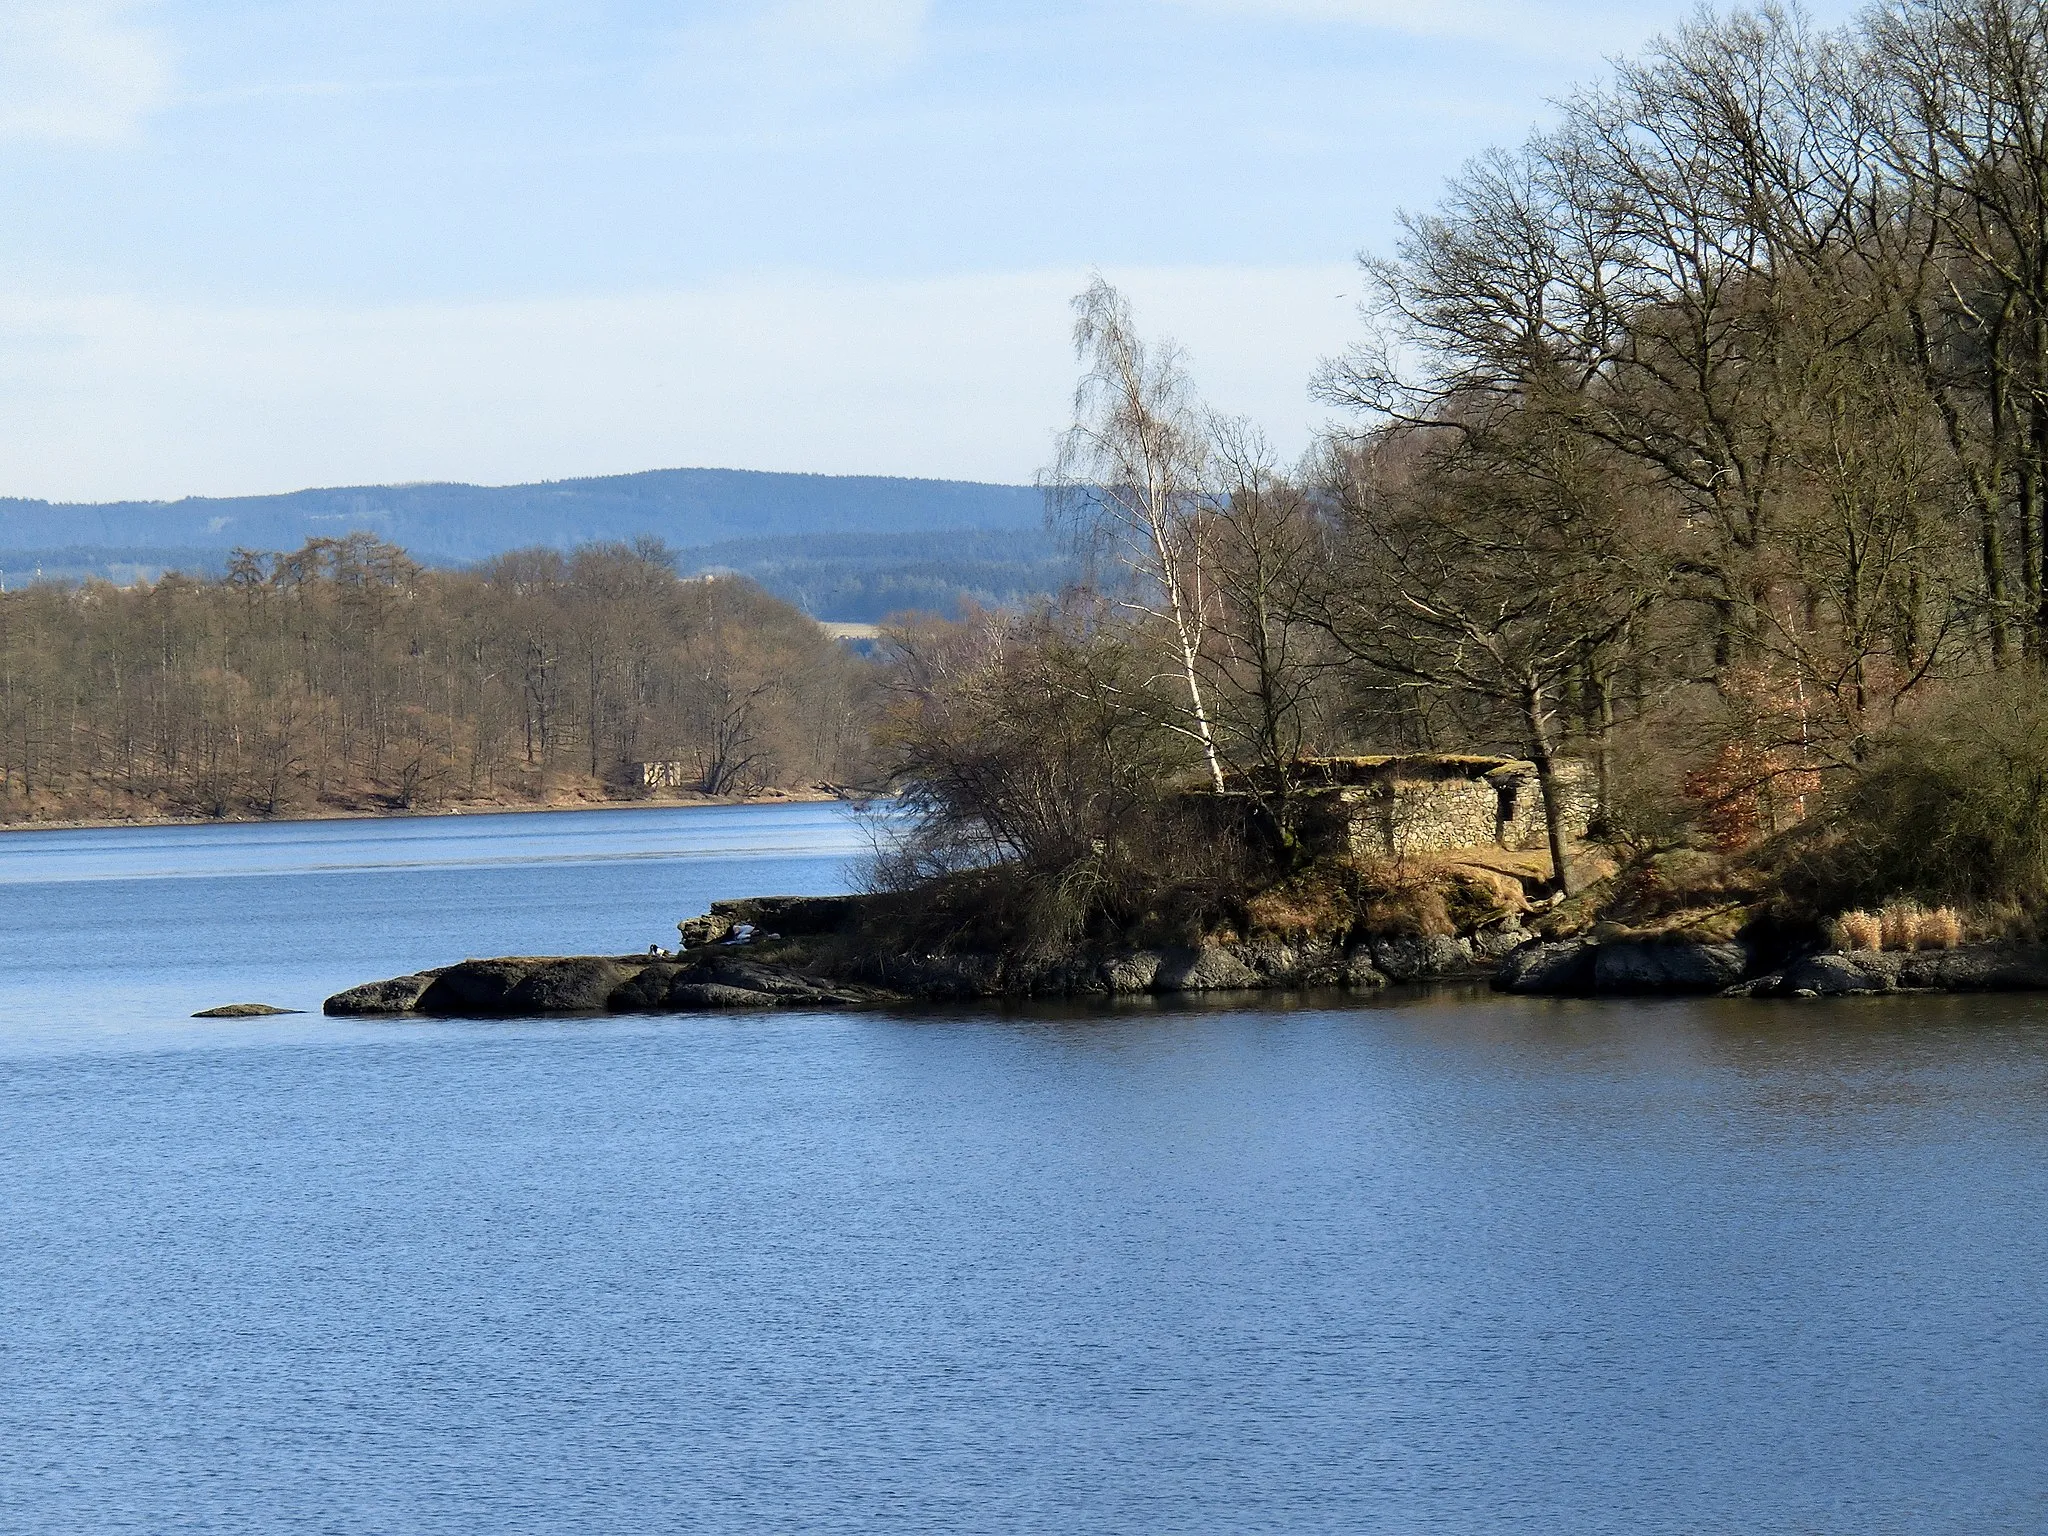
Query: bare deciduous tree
(1493, 578)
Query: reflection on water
(1443, 1262)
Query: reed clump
(1900, 925)
(1940, 929)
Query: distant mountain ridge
(452, 522)
(851, 547)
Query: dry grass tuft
(1904, 925)
(1410, 909)
(1309, 906)
(1900, 922)
(1940, 929)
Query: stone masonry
(1433, 802)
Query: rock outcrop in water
(822, 951)
(1589, 968)
(538, 986)
(797, 952)
(1968, 968)
(1672, 925)
(738, 977)
(1578, 967)
(777, 975)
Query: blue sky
(254, 246)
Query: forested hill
(843, 546)
(469, 522)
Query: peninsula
(1411, 869)
(1688, 756)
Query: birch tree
(1129, 473)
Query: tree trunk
(2030, 575)
(2033, 455)
(1200, 711)
(1603, 750)
(1596, 710)
(1187, 633)
(1537, 717)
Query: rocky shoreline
(774, 975)
(1588, 968)
(792, 952)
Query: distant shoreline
(472, 808)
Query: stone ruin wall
(1523, 830)
(1415, 816)
(1426, 818)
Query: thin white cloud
(878, 35)
(961, 377)
(78, 71)
(396, 85)
(757, 55)
(1540, 26)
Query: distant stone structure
(668, 775)
(1426, 802)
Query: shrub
(1038, 804)
(1724, 797)
(1953, 809)
(1646, 806)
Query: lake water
(1444, 1263)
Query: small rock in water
(244, 1011)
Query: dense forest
(343, 676)
(1703, 437)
